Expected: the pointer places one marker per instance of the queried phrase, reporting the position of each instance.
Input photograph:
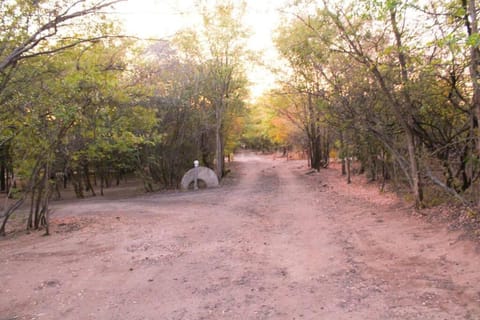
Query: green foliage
(216, 52)
(265, 128)
(76, 101)
(386, 75)
(474, 40)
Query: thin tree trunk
(88, 183)
(9, 212)
(412, 152)
(349, 171)
(415, 173)
(32, 206)
(45, 209)
(342, 153)
(3, 174)
(403, 110)
(326, 148)
(314, 135)
(384, 171)
(38, 204)
(65, 178)
(102, 182)
(471, 23)
(373, 167)
(77, 183)
(218, 142)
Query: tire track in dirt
(402, 267)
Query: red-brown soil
(272, 243)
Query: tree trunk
(218, 141)
(102, 179)
(471, 22)
(314, 136)
(384, 171)
(38, 203)
(316, 161)
(342, 154)
(408, 122)
(349, 171)
(88, 183)
(3, 177)
(402, 107)
(373, 167)
(46, 197)
(414, 172)
(65, 178)
(9, 212)
(77, 183)
(33, 202)
(325, 148)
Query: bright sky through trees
(162, 18)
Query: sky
(163, 18)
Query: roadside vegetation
(391, 85)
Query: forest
(390, 86)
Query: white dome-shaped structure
(205, 174)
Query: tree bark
(44, 32)
(314, 135)
(9, 212)
(3, 179)
(408, 122)
(415, 173)
(218, 141)
(471, 23)
(88, 183)
(46, 199)
(349, 170)
(402, 109)
(342, 153)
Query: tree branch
(48, 30)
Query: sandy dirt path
(272, 243)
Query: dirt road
(272, 243)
